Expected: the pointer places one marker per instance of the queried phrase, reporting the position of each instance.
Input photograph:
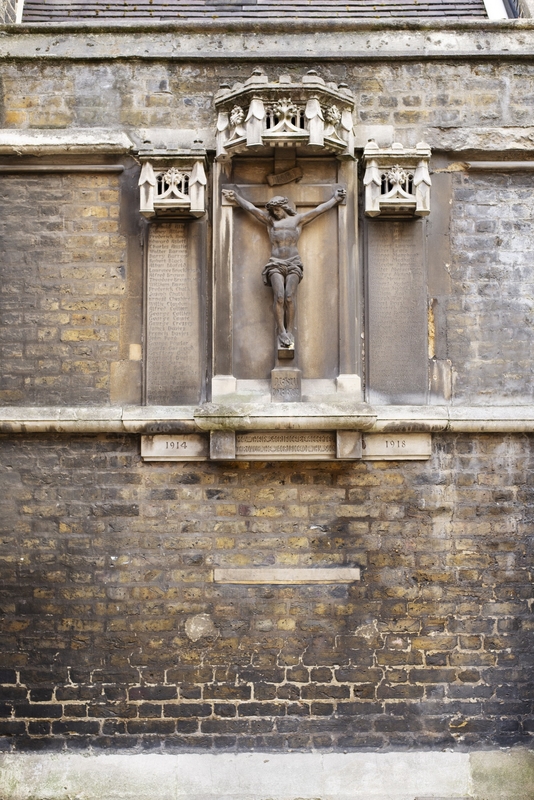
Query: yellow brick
(286, 624)
(14, 118)
(94, 211)
(82, 335)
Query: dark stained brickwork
(104, 559)
(41, 10)
(63, 287)
(490, 312)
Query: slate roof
(57, 10)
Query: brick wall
(63, 287)
(413, 97)
(105, 558)
(491, 308)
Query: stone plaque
(285, 385)
(174, 334)
(396, 446)
(397, 327)
(189, 447)
(286, 575)
(286, 446)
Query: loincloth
(283, 267)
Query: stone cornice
(214, 39)
(304, 416)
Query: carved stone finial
(397, 181)
(285, 114)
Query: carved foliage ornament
(284, 114)
(397, 181)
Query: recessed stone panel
(174, 331)
(397, 313)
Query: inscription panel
(285, 385)
(397, 298)
(286, 446)
(397, 447)
(189, 447)
(174, 334)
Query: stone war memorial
(267, 400)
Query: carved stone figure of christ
(284, 270)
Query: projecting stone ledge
(285, 416)
(52, 141)
(280, 416)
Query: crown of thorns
(280, 202)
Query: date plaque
(396, 447)
(189, 447)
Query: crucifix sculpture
(284, 270)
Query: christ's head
(279, 207)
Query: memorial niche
(397, 199)
(172, 195)
(297, 136)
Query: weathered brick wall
(105, 558)
(411, 96)
(491, 308)
(63, 287)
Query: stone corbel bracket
(172, 184)
(397, 181)
(260, 113)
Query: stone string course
(105, 558)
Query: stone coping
(306, 40)
(283, 23)
(291, 416)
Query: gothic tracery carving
(262, 113)
(397, 181)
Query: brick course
(104, 559)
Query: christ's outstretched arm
(260, 215)
(308, 216)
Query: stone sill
(290, 416)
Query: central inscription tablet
(286, 446)
(173, 328)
